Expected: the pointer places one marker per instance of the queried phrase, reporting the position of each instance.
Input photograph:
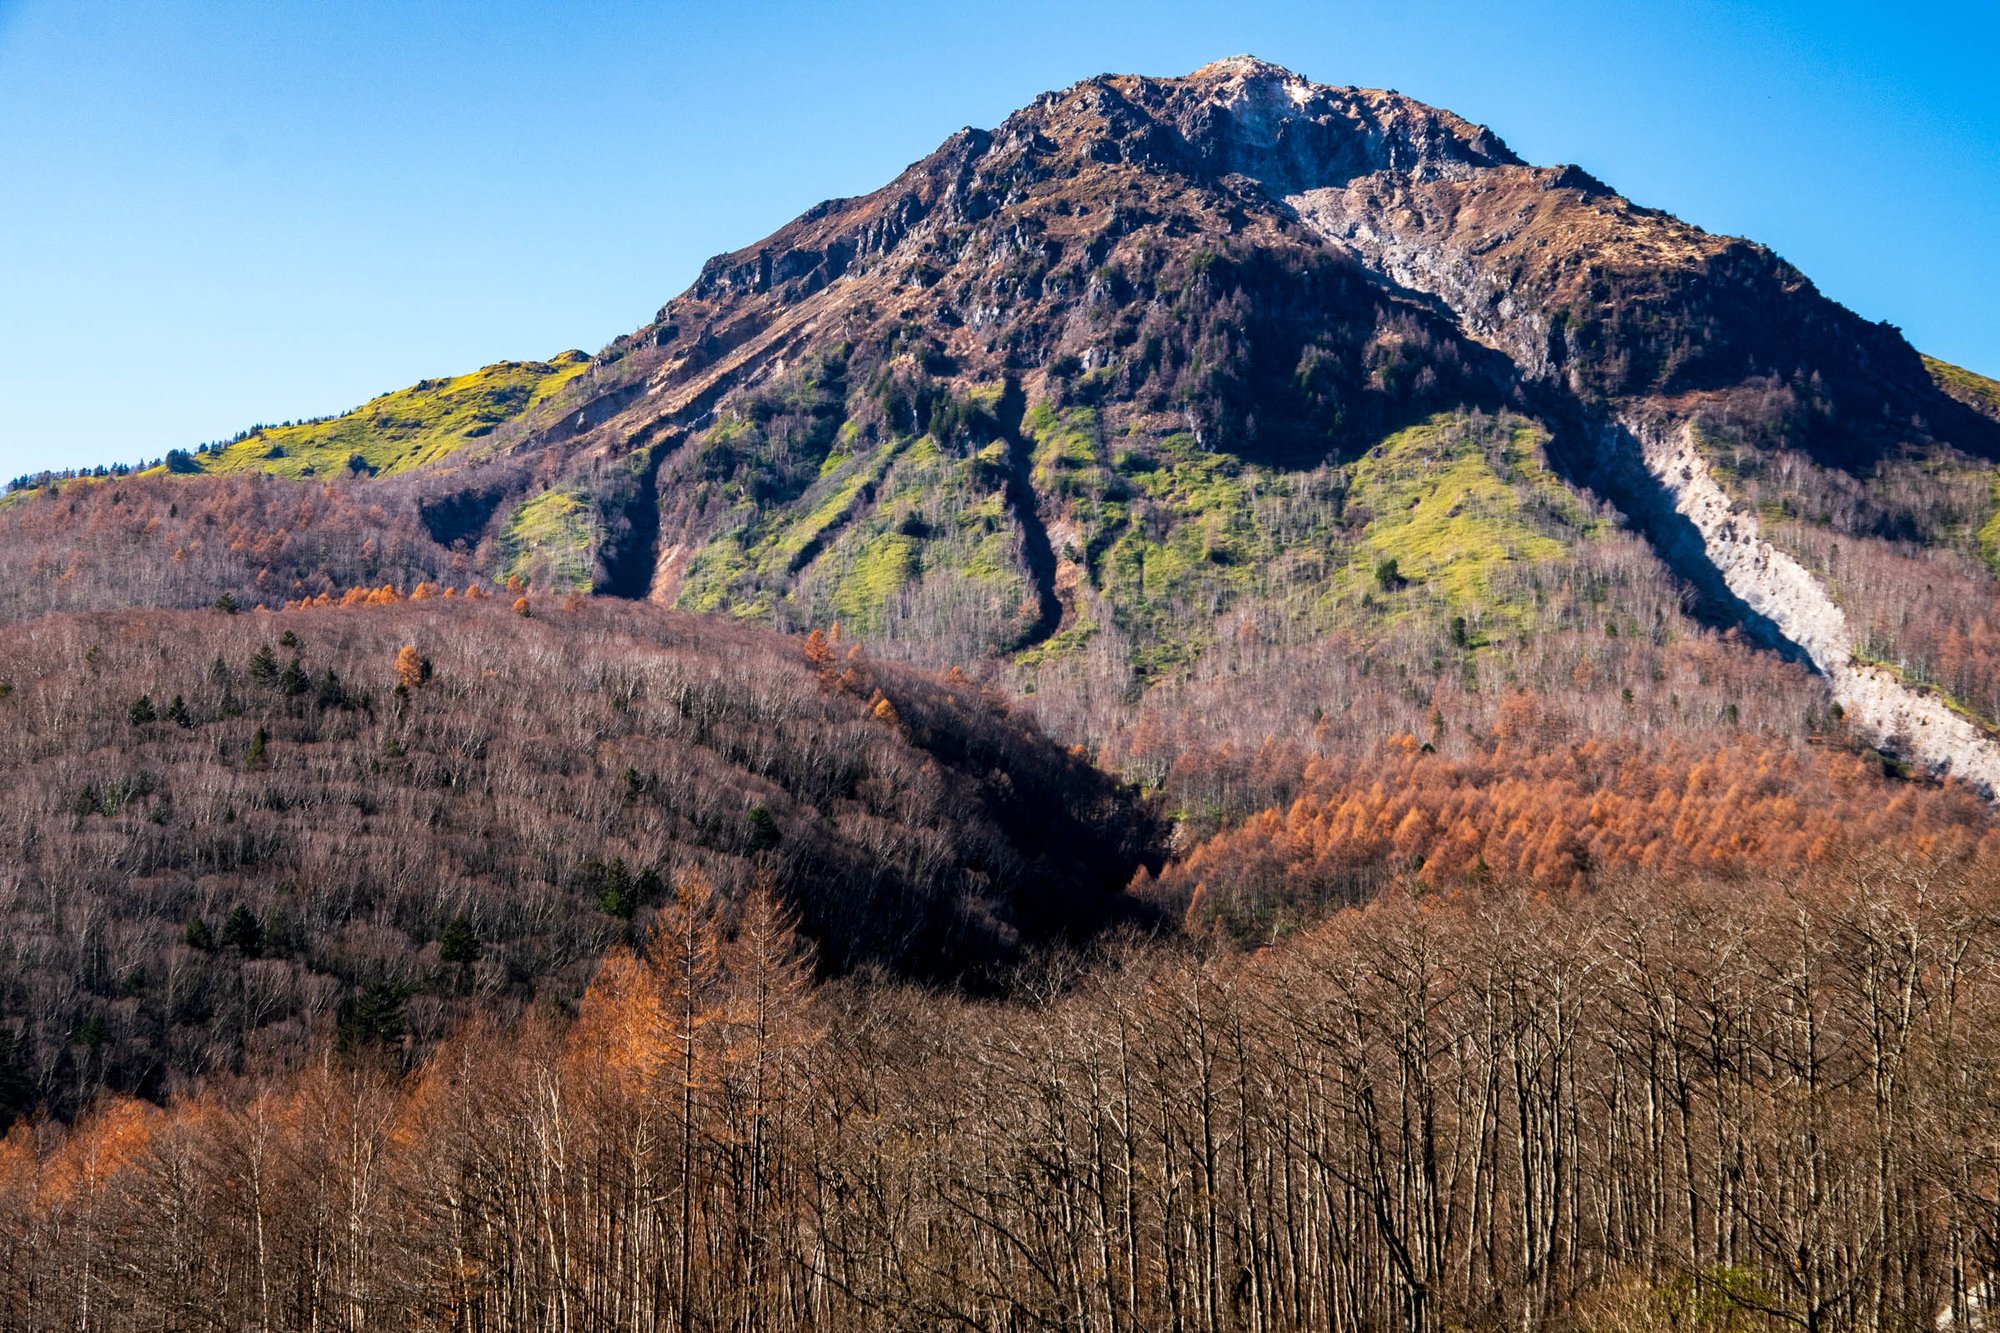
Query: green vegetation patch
(548, 542)
(1071, 640)
(717, 575)
(834, 523)
(836, 506)
(1185, 533)
(1449, 516)
(878, 571)
(935, 518)
(1452, 503)
(1975, 391)
(402, 430)
(741, 567)
(1989, 535)
(1065, 448)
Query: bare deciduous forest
(1675, 1103)
(431, 1023)
(232, 836)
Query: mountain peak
(1244, 67)
(996, 398)
(1247, 116)
(1245, 82)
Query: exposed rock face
(1525, 257)
(1574, 283)
(1903, 720)
(1191, 161)
(1769, 582)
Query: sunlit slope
(402, 430)
(1975, 391)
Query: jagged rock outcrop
(1537, 262)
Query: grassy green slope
(1975, 391)
(1981, 395)
(402, 430)
(1458, 503)
(1450, 517)
(548, 542)
(876, 521)
(1452, 506)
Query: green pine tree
(764, 833)
(457, 943)
(243, 932)
(616, 896)
(373, 1018)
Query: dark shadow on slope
(1606, 458)
(461, 518)
(1039, 555)
(625, 566)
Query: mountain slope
(1169, 377)
(399, 431)
(227, 828)
(1975, 391)
(1136, 260)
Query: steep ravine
(1705, 536)
(1037, 552)
(1902, 720)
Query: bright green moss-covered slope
(548, 542)
(1453, 504)
(401, 430)
(1975, 391)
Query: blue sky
(218, 214)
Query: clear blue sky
(217, 214)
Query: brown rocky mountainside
(1166, 384)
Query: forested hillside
(235, 838)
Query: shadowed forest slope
(233, 835)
